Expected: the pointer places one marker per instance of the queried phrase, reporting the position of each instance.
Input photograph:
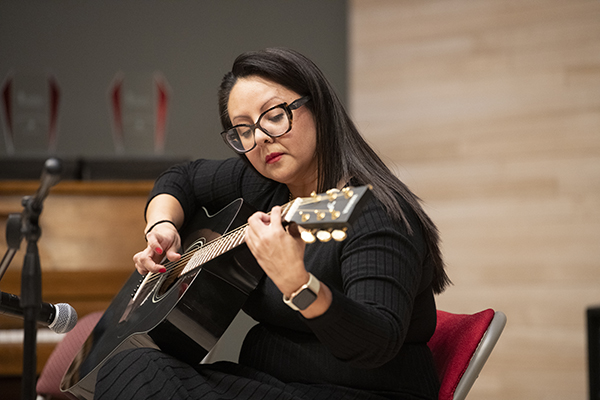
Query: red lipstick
(273, 158)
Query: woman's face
(289, 159)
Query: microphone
(50, 177)
(60, 318)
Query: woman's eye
(276, 117)
(245, 133)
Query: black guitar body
(185, 310)
(182, 315)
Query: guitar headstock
(327, 215)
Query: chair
(461, 346)
(48, 385)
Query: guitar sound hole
(166, 283)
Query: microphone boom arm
(26, 226)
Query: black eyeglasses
(275, 122)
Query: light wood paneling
(85, 225)
(490, 111)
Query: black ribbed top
(374, 335)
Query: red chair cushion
(62, 356)
(455, 340)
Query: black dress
(370, 344)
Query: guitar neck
(333, 209)
(215, 248)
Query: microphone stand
(31, 274)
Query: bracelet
(156, 223)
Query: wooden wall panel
(490, 111)
(85, 225)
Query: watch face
(304, 299)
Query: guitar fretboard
(215, 248)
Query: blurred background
(489, 110)
(137, 81)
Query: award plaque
(30, 114)
(138, 105)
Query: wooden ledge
(91, 188)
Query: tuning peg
(348, 192)
(332, 194)
(339, 235)
(305, 216)
(335, 214)
(320, 215)
(324, 236)
(308, 236)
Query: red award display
(30, 105)
(138, 105)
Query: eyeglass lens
(274, 122)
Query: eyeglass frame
(288, 108)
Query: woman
(356, 315)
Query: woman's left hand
(279, 251)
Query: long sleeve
(375, 333)
(376, 276)
(382, 274)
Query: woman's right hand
(163, 240)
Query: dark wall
(84, 45)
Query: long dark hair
(341, 150)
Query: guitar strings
(176, 267)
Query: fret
(206, 256)
(214, 249)
(194, 262)
(240, 235)
(220, 246)
(223, 246)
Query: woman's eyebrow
(263, 108)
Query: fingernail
(158, 250)
(163, 270)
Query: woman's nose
(261, 137)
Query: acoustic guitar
(185, 310)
